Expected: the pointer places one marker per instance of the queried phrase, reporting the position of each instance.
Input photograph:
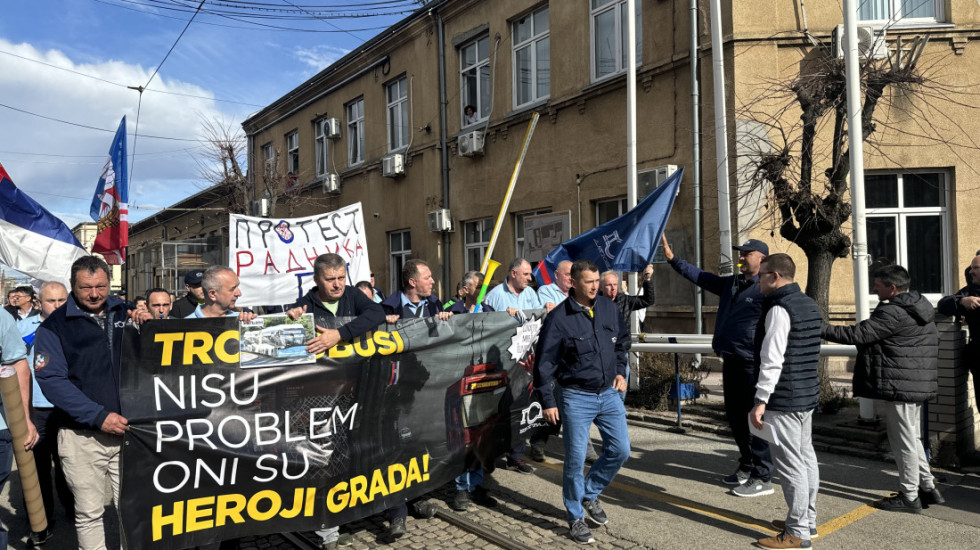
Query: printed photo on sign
(277, 340)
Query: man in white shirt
(787, 350)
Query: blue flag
(627, 243)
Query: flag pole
(510, 192)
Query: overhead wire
(90, 127)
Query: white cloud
(319, 57)
(165, 170)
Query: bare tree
(222, 162)
(806, 205)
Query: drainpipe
(443, 149)
(696, 161)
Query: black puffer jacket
(950, 305)
(897, 350)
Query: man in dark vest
(787, 352)
(898, 346)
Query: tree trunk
(819, 264)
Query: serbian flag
(32, 240)
(627, 243)
(109, 205)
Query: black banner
(216, 451)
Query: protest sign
(274, 257)
(215, 451)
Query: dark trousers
(738, 379)
(46, 457)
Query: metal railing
(701, 343)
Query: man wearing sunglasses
(739, 309)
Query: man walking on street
(76, 361)
(581, 364)
(739, 308)
(787, 351)
(898, 346)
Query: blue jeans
(6, 461)
(469, 481)
(578, 411)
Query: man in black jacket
(194, 297)
(896, 366)
(333, 297)
(966, 303)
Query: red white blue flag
(33, 240)
(109, 205)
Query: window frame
(292, 153)
(531, 44)
(486, 226)
(622, 208)
(477, 67)
(397, 258)
(401, 105)
(268, 153)
(894, 19)
(901, 213)
(355, 130)
(617, 6)
(321, 148)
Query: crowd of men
(767, 333)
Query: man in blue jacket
(739, 309)
(582, 351)
(76, 362)
(415, 299)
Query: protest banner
(274, 257)
(215, 451)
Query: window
(397, 93)
(292, 153)
(474, 78)
(608, 210)
(320, 146)
(609, 51)
(400, 251)
(519, 230)
(476, 238)
(532, 57)
(901, 11)
(355, 132)
(269, 159)
(906, 224)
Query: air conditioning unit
(393, 165)
(440, 220)
(648, 180)
(332, 128)
(871, 42)
(260, 208)
(470, 144)
(331, 184)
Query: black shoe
(738, 478)
(580, 532)
(397, 528)
(483, 498)
(423, 509)
(537, 454)
(898, 503)
(461, 502)
(596, 513)
(39, 538)
(930, 496)
(519, 466)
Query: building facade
(424, 123)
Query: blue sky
(233, 65)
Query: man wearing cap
(194, 297)
(739, 309)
